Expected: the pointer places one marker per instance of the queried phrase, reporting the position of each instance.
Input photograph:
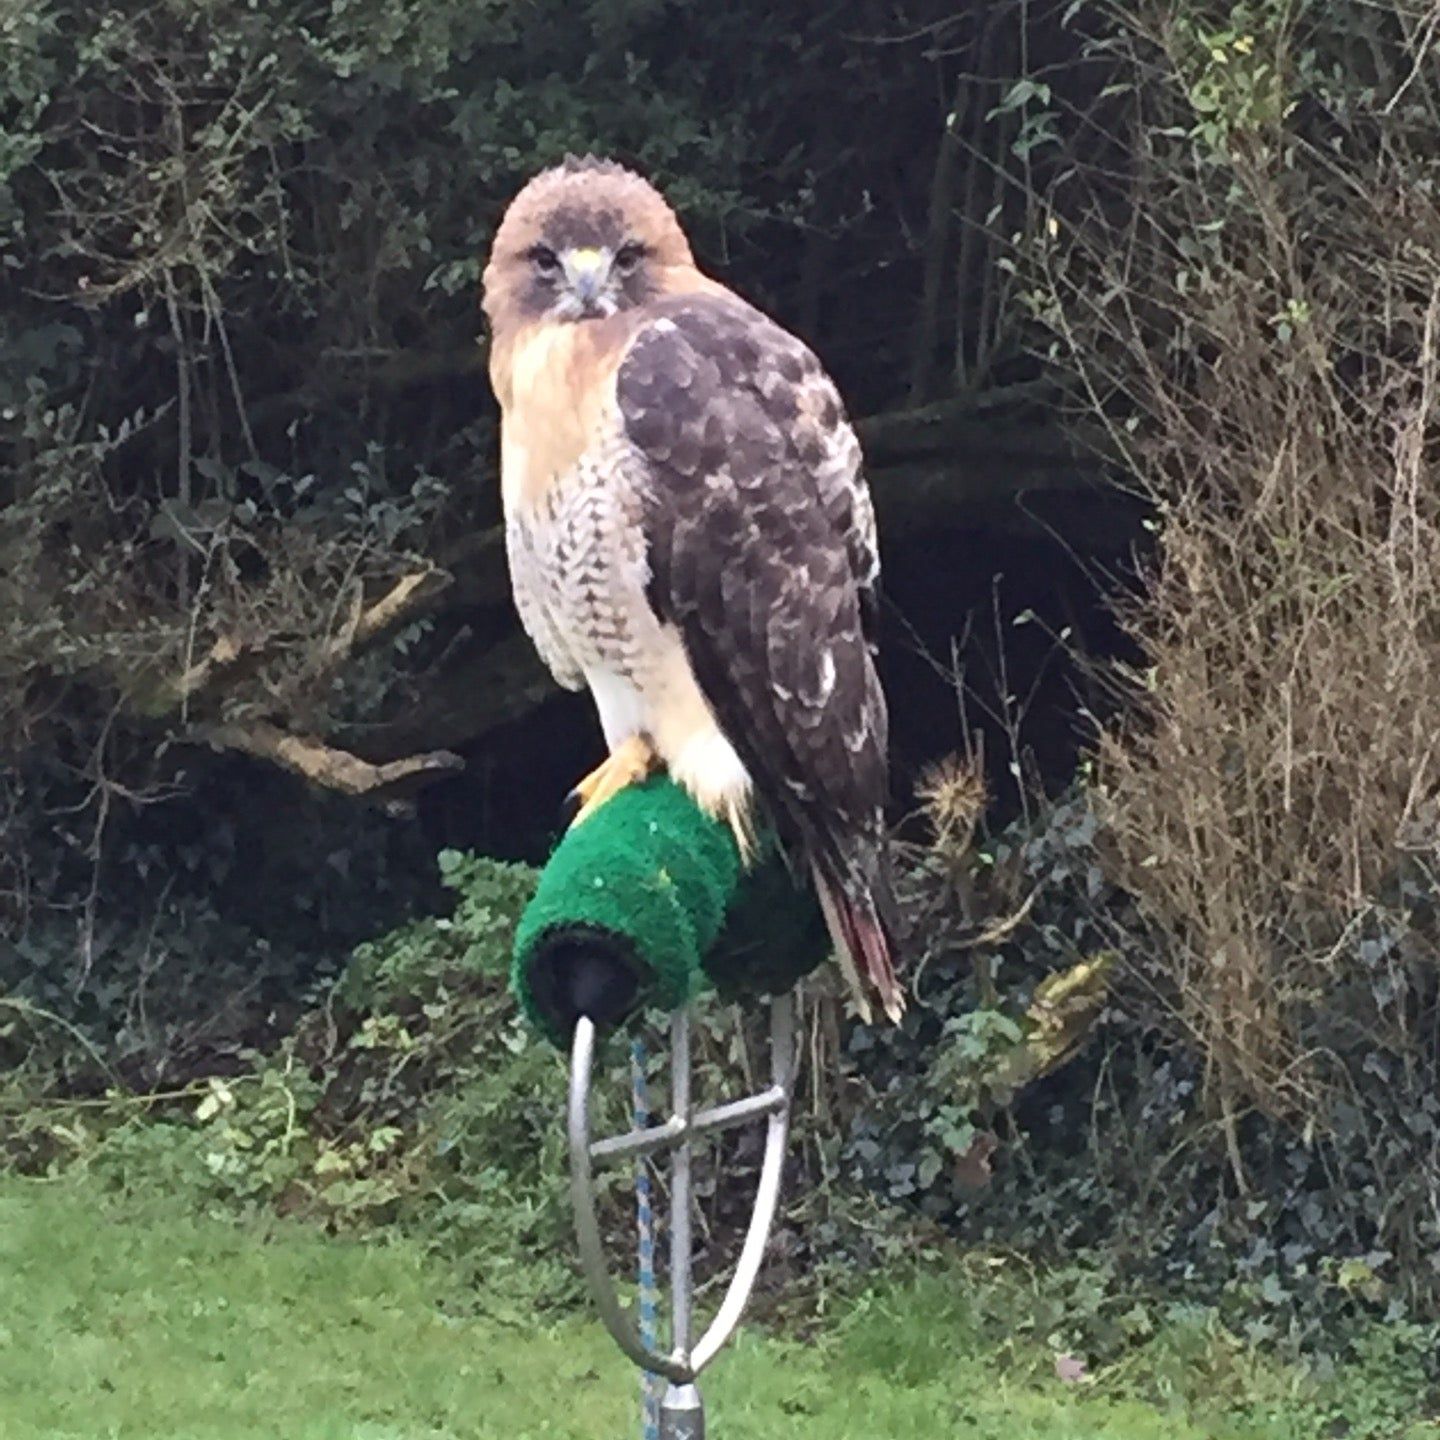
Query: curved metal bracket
(677, 1135)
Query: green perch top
(647, 903)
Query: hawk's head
(583, 240)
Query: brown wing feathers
(750, 567)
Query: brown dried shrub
(1255, 310)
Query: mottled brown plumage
(690, 535)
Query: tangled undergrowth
(1271, 793)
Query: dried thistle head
(954, 794)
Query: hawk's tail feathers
(862, 945)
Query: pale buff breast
(571, 489)
(556, 386)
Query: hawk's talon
(570, 808)
(634, 760)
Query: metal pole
(645, 1229)
(682, 1411)
(681, 1238)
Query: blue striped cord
(645, 1224)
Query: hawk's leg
(704, 763)
(733, 811)
(633, 760)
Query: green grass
(129, 1318)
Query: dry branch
(227, 659)
(222, 656)
(333, 769)
(410, 597)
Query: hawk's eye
(628, 257)
(544, 259)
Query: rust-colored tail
(863, 944)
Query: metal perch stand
(682, 1413)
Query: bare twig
(330, 768)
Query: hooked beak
(586, 272)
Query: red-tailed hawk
(690, 536)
